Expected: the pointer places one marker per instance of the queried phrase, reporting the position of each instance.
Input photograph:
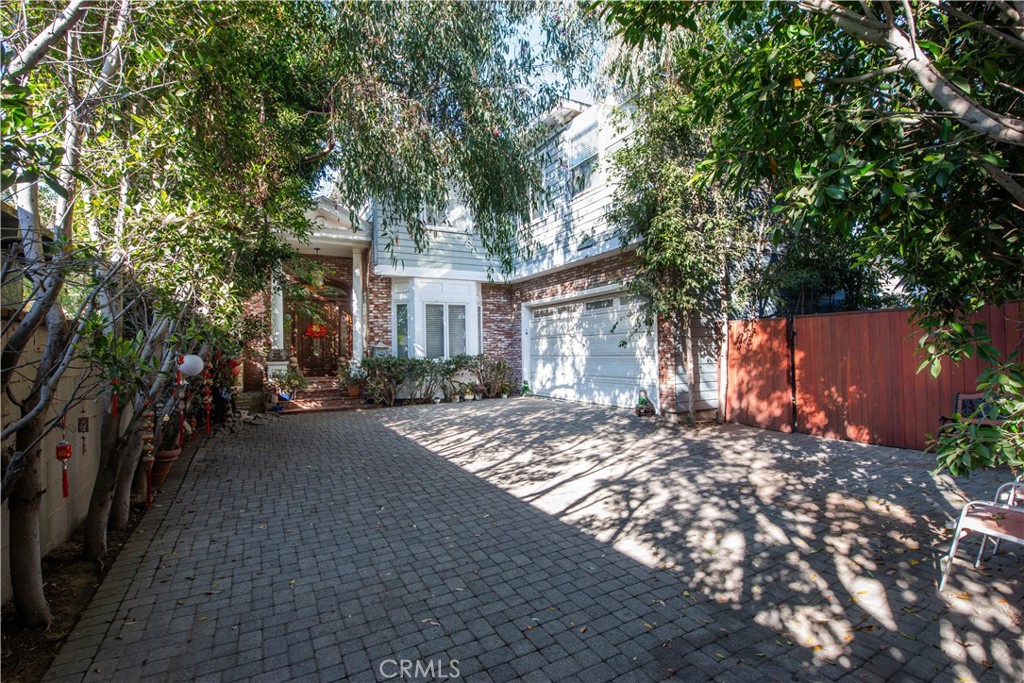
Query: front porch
(322, 325)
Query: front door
(321, 337)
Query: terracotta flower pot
(353, 390)
(162, 466)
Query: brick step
(307, 405)
(308, 393)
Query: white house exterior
(563, 318)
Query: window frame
(446, 328)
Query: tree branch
(891, 69)
(37, 48)
(998, 127)
(971, 22)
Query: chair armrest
(1014, 492)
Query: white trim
(576, 296)
(358, 320)
(277, 340)
(436, 273)
(602, 250)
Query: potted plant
(169, 448)
(288, 382)
(506, 389)
(351, 378)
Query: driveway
(534, 540)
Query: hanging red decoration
(113, 398)
(207, 398)
(316, 330)
(64, 454)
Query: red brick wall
(502, 338)
(257, 308)
(338, 267)
(378, 300)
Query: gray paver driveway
(533, 540)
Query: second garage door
(584, 351)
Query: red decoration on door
(316, 330)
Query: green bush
(491, 373)
(384, 377)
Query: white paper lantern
(190, 365)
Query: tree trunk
(25, 547)
(128, 460)
(95, 545)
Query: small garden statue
(644, 405)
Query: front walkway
(534, 540)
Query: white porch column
(358, 324)
(278, 358)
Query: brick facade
(338, 268)
(502, 338)
(378, 304)
(257, 310)
(338, 273)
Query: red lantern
(64, 454)
(316, 330)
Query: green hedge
(426, 378)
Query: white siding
(573, 228)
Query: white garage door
(575, 352)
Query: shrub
(491, 374)
(384, 377)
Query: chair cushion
(1000, 521)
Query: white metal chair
(1011, 494)
(1001, 519)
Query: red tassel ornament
(63, 455)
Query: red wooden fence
(856, 375)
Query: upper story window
(583, 157)
(454, 215)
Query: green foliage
(492, 374)
(385, 377)
(854, 146)
(969, 443)
(120, 358)
(288, 381)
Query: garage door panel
(585, 352)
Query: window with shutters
(445, 330)
(434, 320)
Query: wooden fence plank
(856, 375)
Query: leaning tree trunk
(95, 545)
(128, 459)
(25, 547)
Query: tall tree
(181, 143)
(898, 124)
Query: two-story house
(563, 318)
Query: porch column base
(274, 366)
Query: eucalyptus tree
(180, 144)
(898, 124)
